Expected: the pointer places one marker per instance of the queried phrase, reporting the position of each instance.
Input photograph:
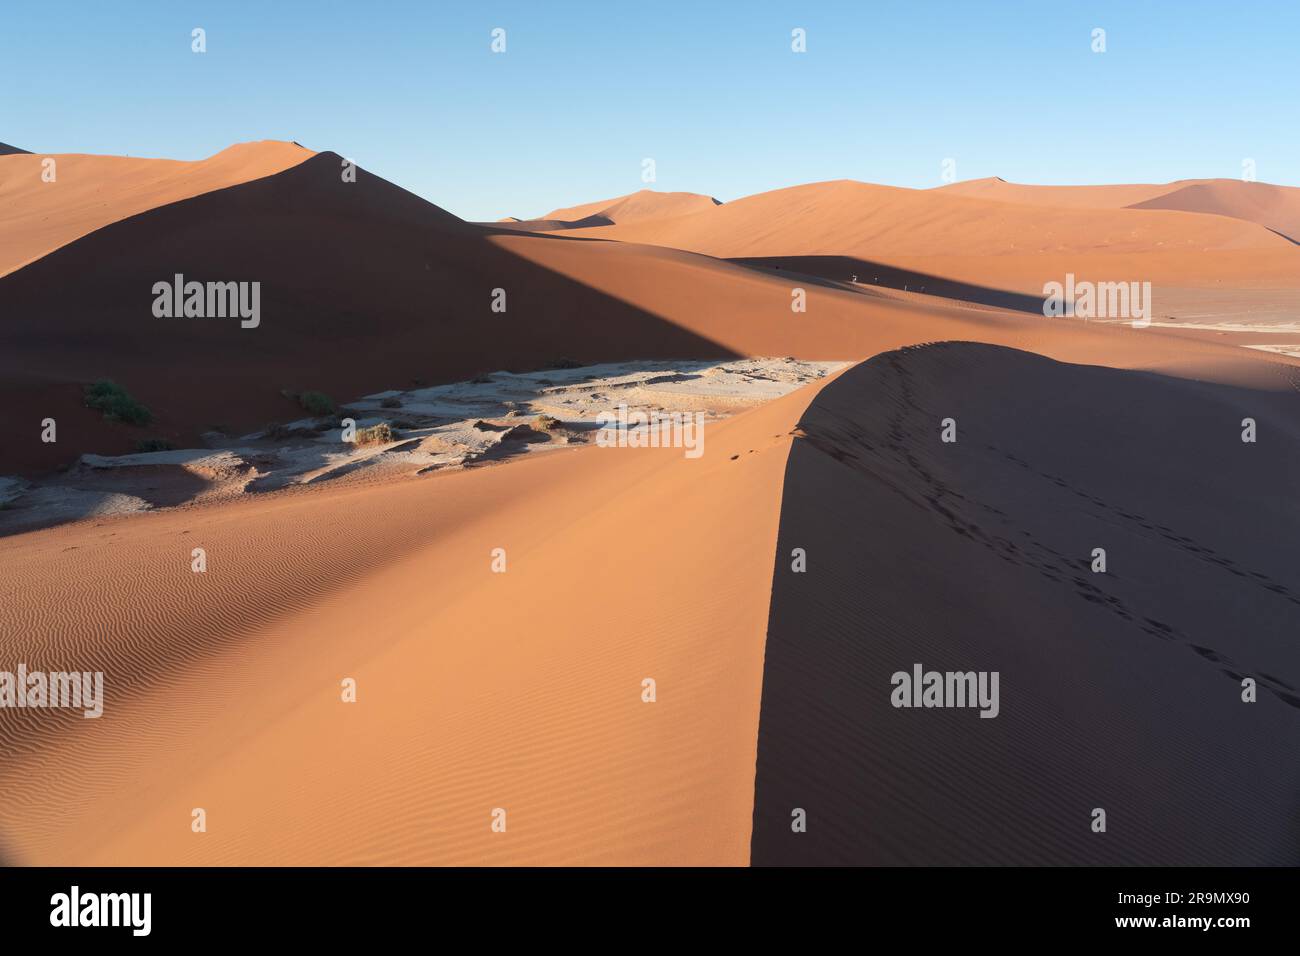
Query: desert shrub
(116, 403)
(376, 434)
(544, 423)
(153, 444)
(316, 403)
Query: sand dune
(7, 150)
(523, 690)
(1076, 197)
(940, 236)
(636, 207)
(518, 690)
(647, 204)
(1275, 207)
(367, 287)
(871, 222)
(363, 287)
(89, 192)
(1119, 690)
(476, 690)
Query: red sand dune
(636, 207)
(858, 219)
(639, 206)
(1275, 207)
(996, 244)
(477, 690)
(976, 556)
(522, 690)
(365, 287)
(89, 192)
(1078, 197)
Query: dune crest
(89, 192)
(646, 204)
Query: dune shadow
(850, 272)
(977, 556)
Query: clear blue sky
(709, 90)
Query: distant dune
(936, 237)
(639, 206)
(7, 150)
(1275, 207)
(881, 222)
(1076, 197)
(89, 192)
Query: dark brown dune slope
(1119, 690)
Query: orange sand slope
(1078, 197)
(1275, 207)
(477, 690)
(519, 690)
(942, 235)
(852, 218)
(89, 192)
(636, 207)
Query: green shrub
(153, 444)
(116, 403)
(316, 403)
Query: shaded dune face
(1274, 207)
(364, 287)
(1118, 690)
